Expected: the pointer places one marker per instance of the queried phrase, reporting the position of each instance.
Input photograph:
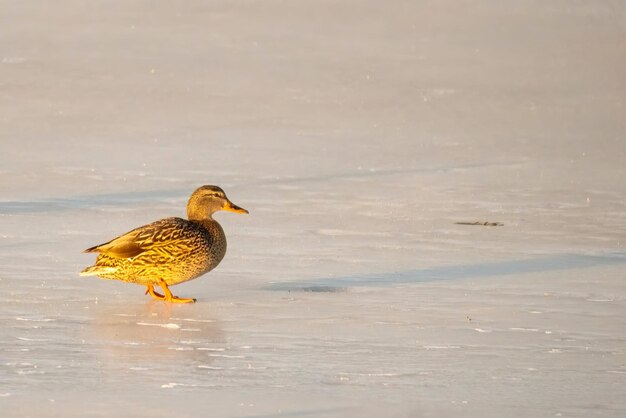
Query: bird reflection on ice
(144, 336)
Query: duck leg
(171, 298)
(154, 293)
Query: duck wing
(135, 242)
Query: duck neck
(199, 215)
(199, 212)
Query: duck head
(207, 200)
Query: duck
(169, 251)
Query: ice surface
(358, 134)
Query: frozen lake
(361, 136)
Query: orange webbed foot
(169, 297)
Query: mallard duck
(168, 251)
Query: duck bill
(231, 207)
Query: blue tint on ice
(455, 272)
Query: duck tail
(98, 270)
(94, 249)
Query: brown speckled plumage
(168, 251)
